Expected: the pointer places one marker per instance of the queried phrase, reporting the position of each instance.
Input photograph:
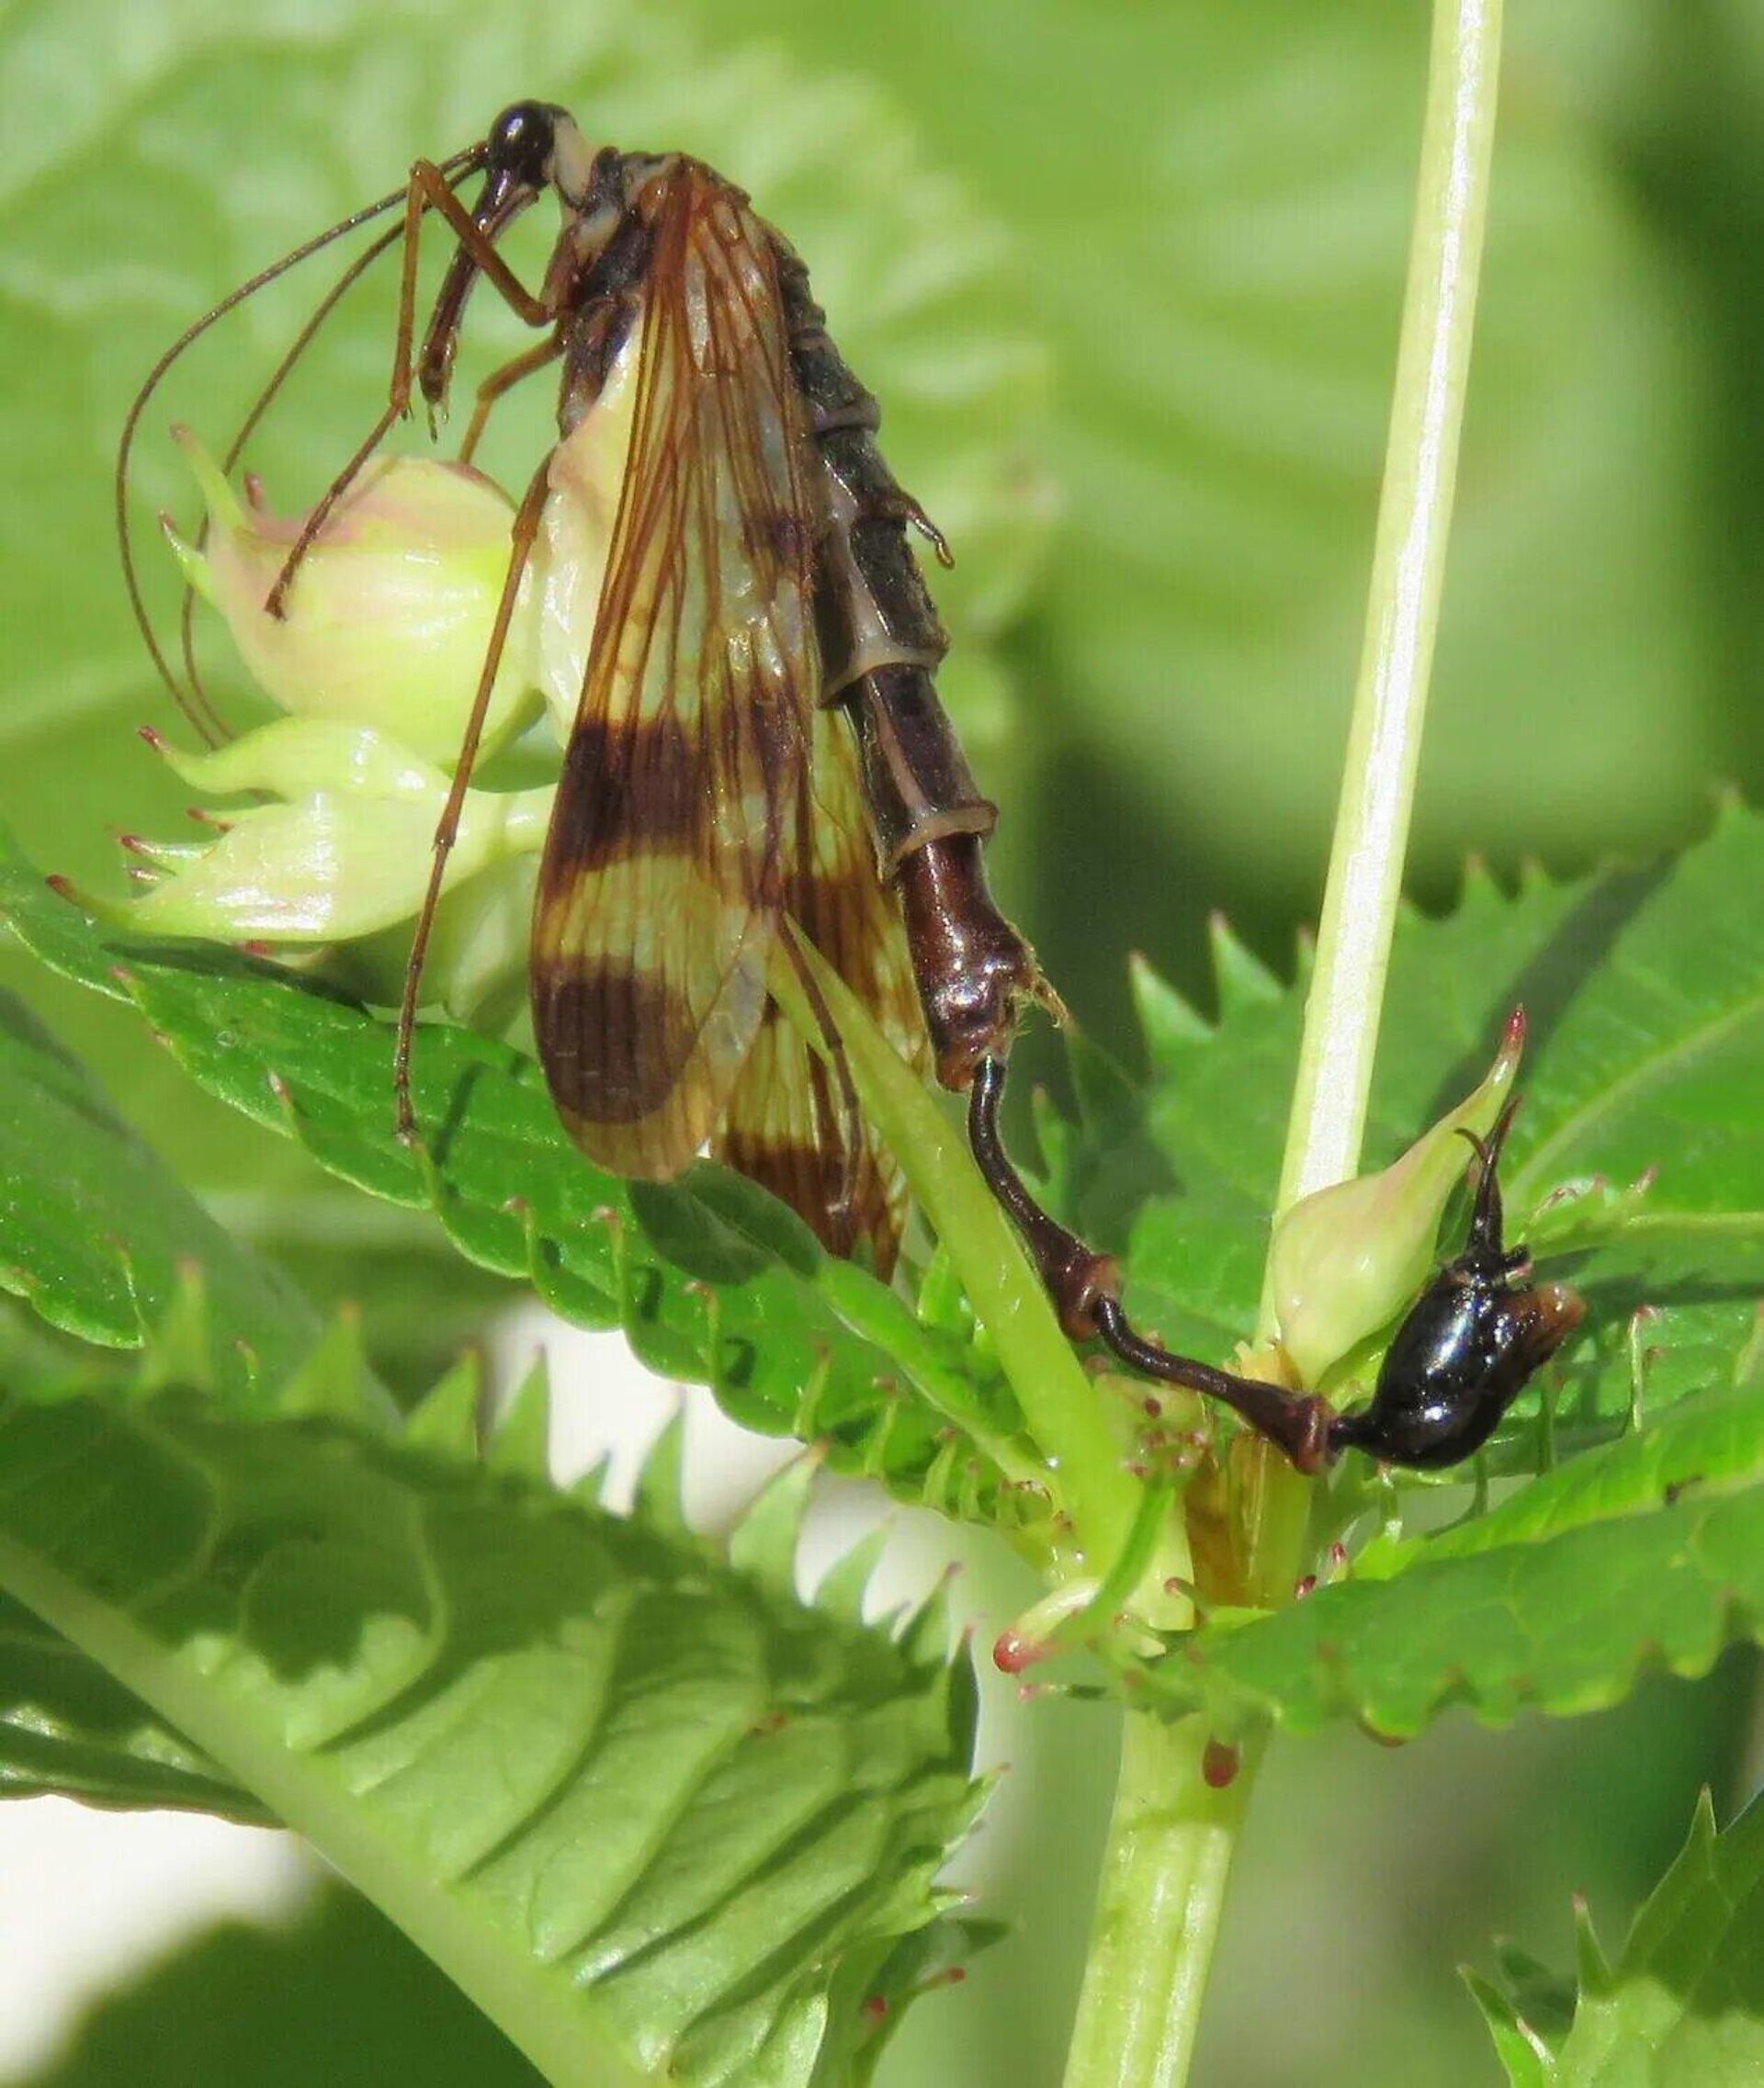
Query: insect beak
(504, 197)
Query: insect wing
(676, 826)
(789, 1123)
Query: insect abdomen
(880, 641)
(879, 634)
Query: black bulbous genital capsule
(1468, 1346)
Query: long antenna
(284, 369)
(192, 703)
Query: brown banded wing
(686, 817)
(787, 1124)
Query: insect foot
(1469, 1344)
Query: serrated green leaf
(925, 1634)
(842, 1589)
(102, 1241)
(444, 1421)
(1683, 2006)
(1524, 2055)
(1714, 1440)
(178, 1347)
(1169, 1025)
(661, 1494)
(590, 1485)
(334, 1383)
(774, 1339)
(930, 1958)
(1543, 1999)
(520, 1441)
(1500, 1619)
(1591, 1964)
(1240, 977)
(69, 1730)
(1688, 1991)
(763, 1541)
(642, 1808)
(1637, 1556)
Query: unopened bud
(388, 617)
(1346, 1260)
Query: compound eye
(521, 142)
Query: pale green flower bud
(1346, 1260)
(346, 856)
(389, 618)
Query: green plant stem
(1085, 1464)
(1342, 1012)
(1171, 1839)
(1158, 1909)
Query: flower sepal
(345, 853)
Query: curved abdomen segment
(881, 641)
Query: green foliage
(1647, 1552)
(655, 1815)
(1684, 2002)
(1642, 1018)
(162, 153)
(652, 1813)
(1646, 1056)
(70, 1728)
(712, 1280)
(1218, 269)
(106, 1238)
(1639, 1022)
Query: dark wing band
(676, 826)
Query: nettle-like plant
(657, 1812)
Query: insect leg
(456, 165)
(428, 191)
(526, 527)
(398, 399)
(479, 244)
(504, 379)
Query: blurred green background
(1124, 274)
